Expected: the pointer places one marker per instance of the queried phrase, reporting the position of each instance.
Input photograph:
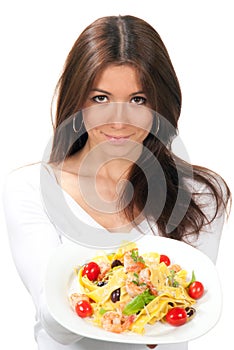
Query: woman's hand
(152, 346)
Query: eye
(139, 100)
(100, 98)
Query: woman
(118, 105)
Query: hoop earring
(74, 125)
(158, 126)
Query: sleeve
(210, 235)
(209, 238)
(32, 239)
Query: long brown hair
(130, 40)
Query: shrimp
(138, 283)
(152, 288)
(113, 321)
(144, 277)
(133, 289)
(133, 262)
(175, 267)
(104, 268)
(75, 298)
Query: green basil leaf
(138, 303)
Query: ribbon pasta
(135, 291)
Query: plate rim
(127, 337)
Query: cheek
(125, 113)
(140, 118)
(144, 126)
(141, 134)
(96, 118)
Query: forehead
(114, 76)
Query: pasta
(131, 290)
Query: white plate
(60, 279)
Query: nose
(119, 116)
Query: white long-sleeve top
(34, 235)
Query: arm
(32, 239)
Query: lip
(117, 139)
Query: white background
(35, 39)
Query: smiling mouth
(117, 139)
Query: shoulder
(22, 190)
(25, 178)
(25, 172)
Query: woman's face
(116, 112)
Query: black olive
(116, 263)
(115, 295)
(101, 283)
(190, 311)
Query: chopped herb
(140, 259)
(171, 279)
(135, 257)
(143, 284)
(175, 284)
(135, 282)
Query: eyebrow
(108, 93)
(100, 90)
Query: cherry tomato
(196, 290)
(165, 259)
(177, 316)
(91, 270)
(83, 308)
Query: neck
(93, 161)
